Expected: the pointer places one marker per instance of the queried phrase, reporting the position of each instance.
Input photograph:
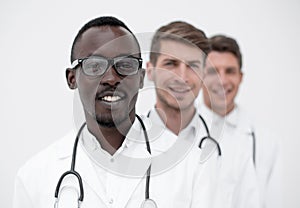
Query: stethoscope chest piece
(148, 203)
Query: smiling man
(108, 93)
(176, 66)
(115, 157)
(222, 82)
(107, 72)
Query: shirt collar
(155, 118)
(134, 136)
(211, 117)
(232, 117)
(192, 126)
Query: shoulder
(46, 157)
(244, 118)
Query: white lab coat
(235, 183)
(237, 125)
(185, 183)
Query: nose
(223, 77)
(110, 77)
(181, 72)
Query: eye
(124, 64)
(170, 63)
(94, 66)
(195, 66)
(127, 64)
(231, 70)
(211, 71)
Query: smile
(109, 98)
(180, 89)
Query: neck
(220, 111)
(110, 138)
(175, 119)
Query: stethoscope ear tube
(70, 172)
(209, 137)
(212, 139)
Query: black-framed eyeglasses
(97, 65)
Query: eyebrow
(194, 61)
(120, 55)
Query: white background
(35, 40)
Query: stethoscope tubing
(72, 170)
(148, 174)
(77, 175)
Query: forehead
(180, 50)
(107, 41)
(224, 59)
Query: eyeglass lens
(96, 66)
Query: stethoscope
(204, 138)
(252, 133)
(148, 202)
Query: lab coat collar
(154, 116)
(232, 117)
(133, 149)
(194, 124)
(165, 142)
(162, 143)
(64, 147)
(137, 160)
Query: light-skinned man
(222, 82)
(176, 67)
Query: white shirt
(117, 180)
(235, 183)
(264, 149)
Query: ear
(241, 76)
(149, 70)
(142, 76)
(71, 78)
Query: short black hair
(223, 43)
(97, 22)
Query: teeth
(180, 89)
(111, 98)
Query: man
(222, 81)
(106, 70)
(110, 166)
(176, 68)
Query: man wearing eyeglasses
(107, 72)
(110, 155)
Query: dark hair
(222, 43)
(97, 22)
(178, 31)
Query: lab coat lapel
(129, 184)
(88, 174)
(128, 181)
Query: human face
(222, 81)
(110, 98)
(177, 75)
